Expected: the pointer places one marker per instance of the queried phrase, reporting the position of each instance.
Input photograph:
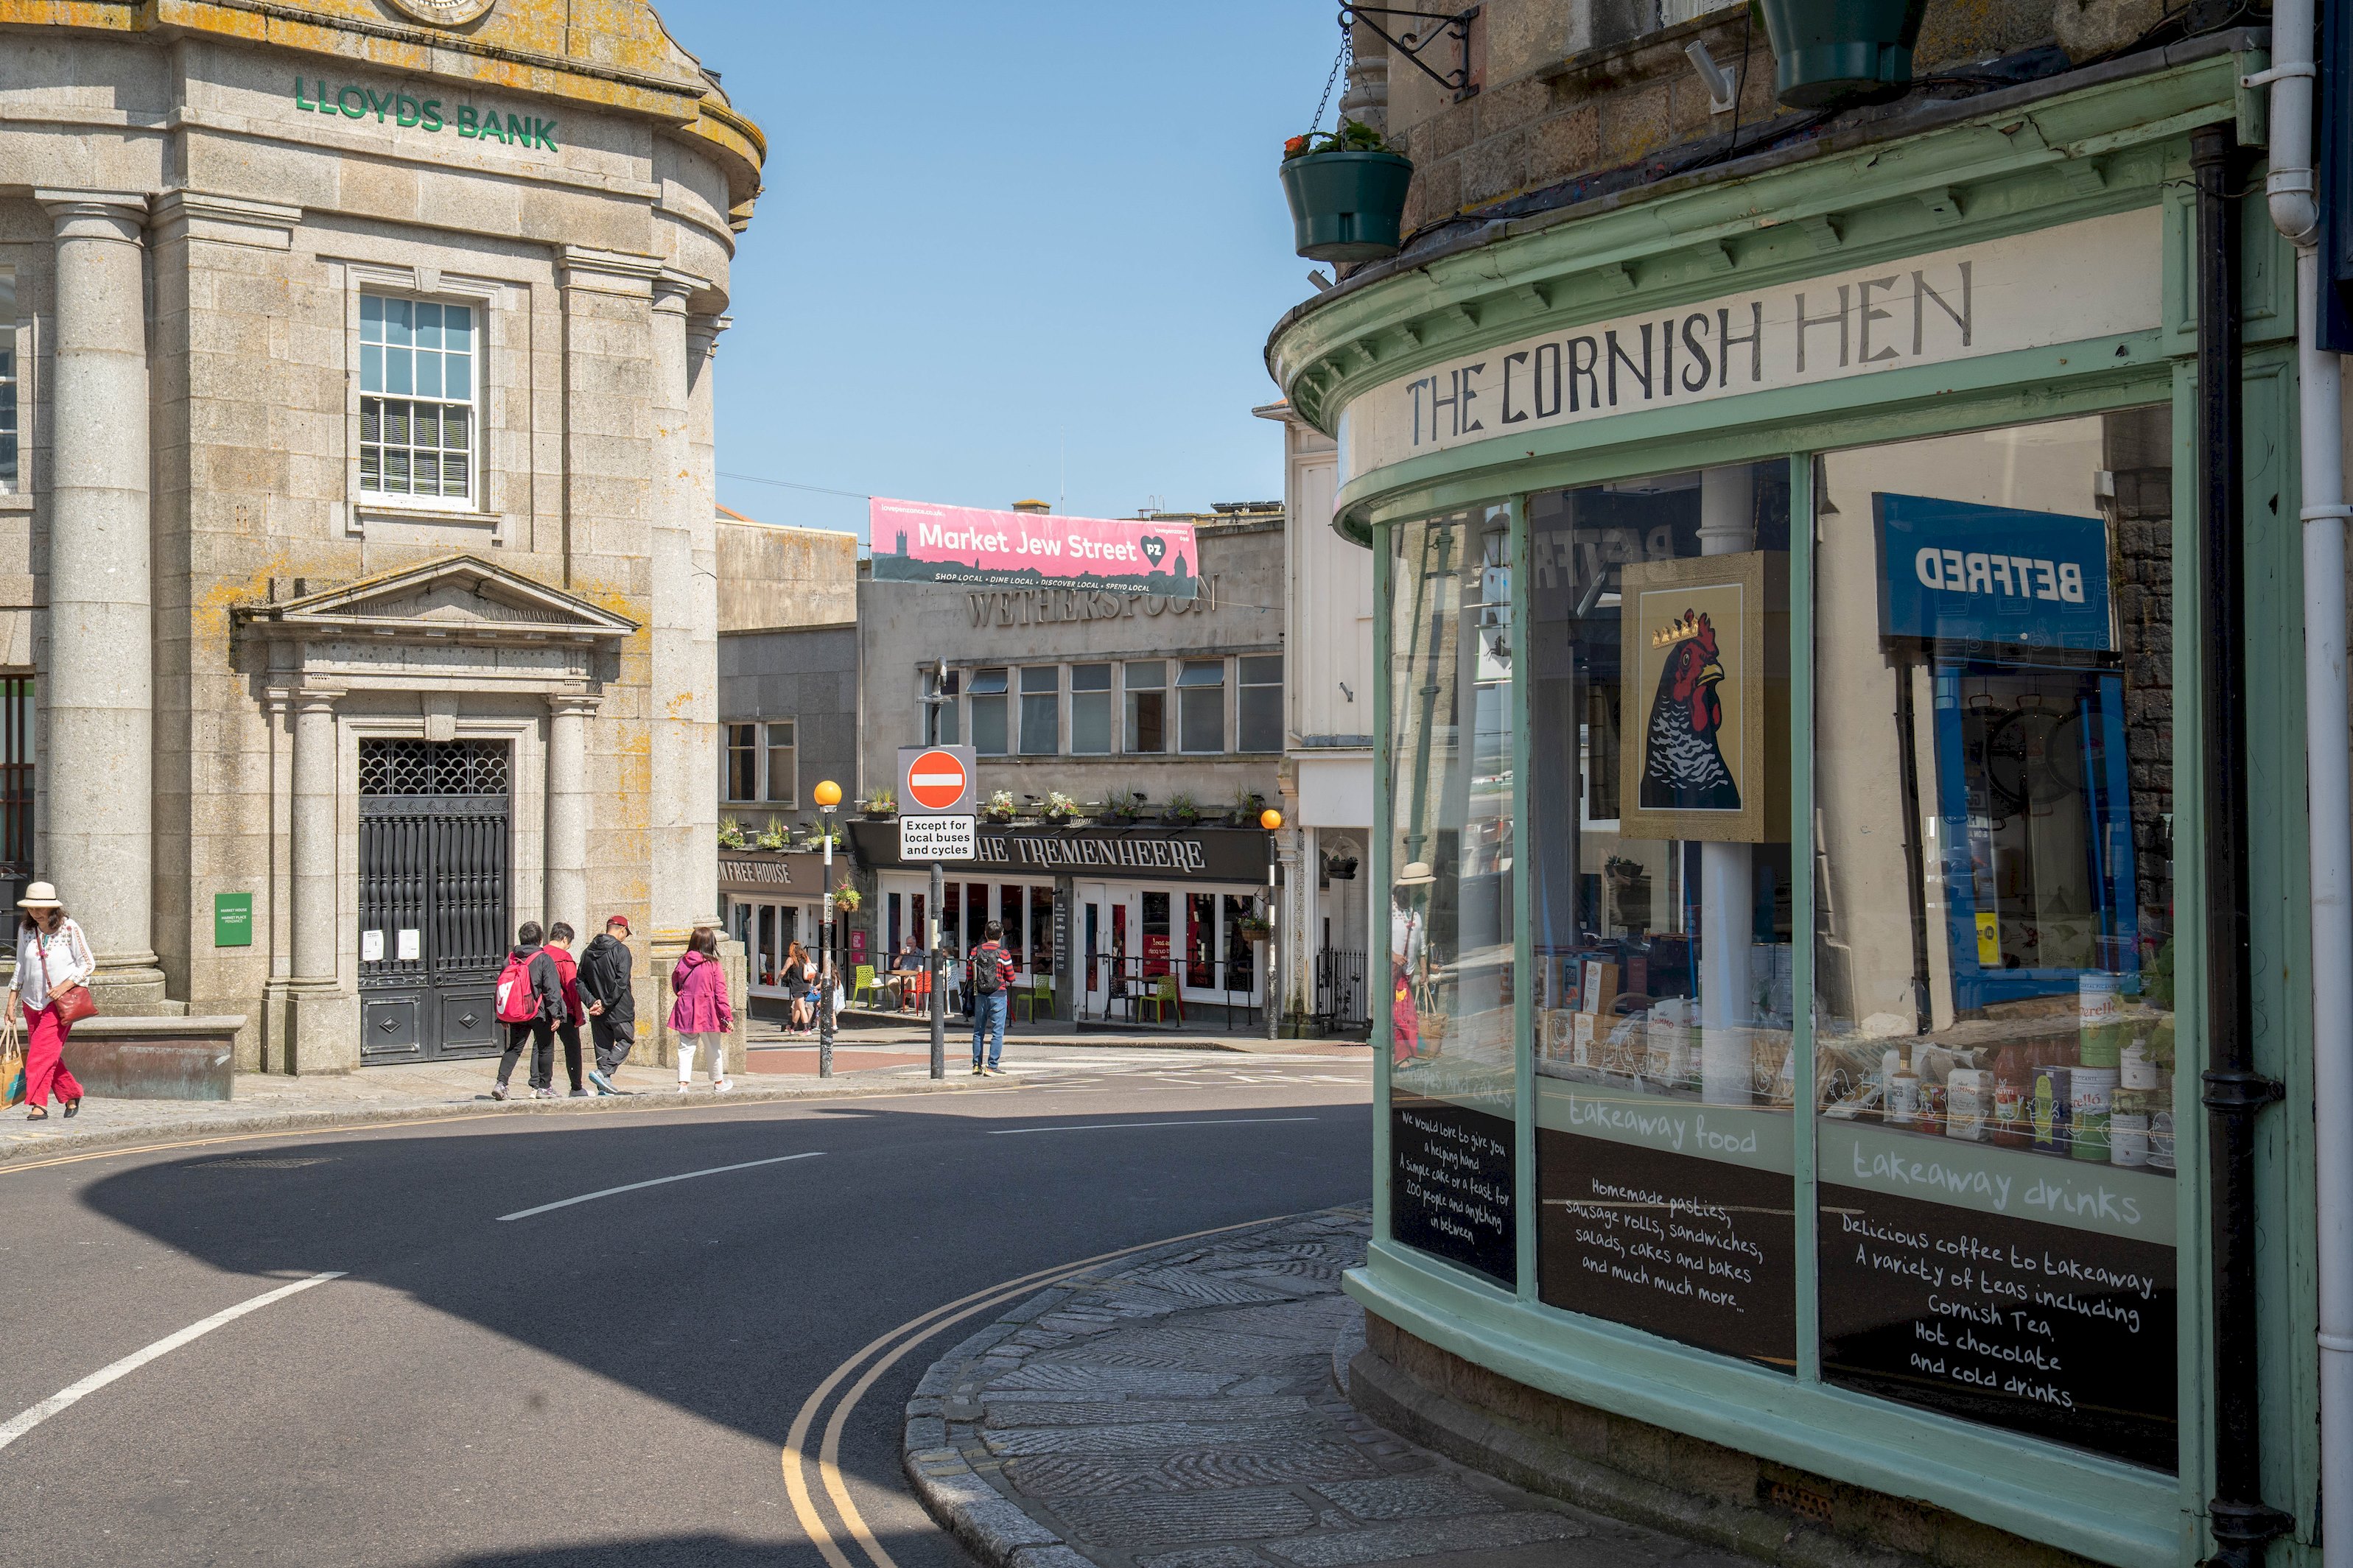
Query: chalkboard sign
(2044, 1329)
(1451, 1175)
(1703, 1251)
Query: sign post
(936, 824)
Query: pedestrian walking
(567, 1025)
(700, 1014)
(612, 1002)
(991, 973)
(530, 1000)
(50, 989)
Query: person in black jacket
(605, 968)
(547, 985)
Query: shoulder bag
(77, 1004)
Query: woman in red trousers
(52, 958)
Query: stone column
(277, 1035)
(567, 811)
(702, 499)
(683, 866)
(100, 683)
(325, 1036)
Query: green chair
(1040, 990)
(1160, 998)
(865, 986)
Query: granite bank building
(356, 533)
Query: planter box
(154, 1058)
(1346, 206)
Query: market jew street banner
(2099, 277)
(916, 542)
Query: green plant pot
(1346, 206)
(1828, 53)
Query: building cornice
(2091, 141)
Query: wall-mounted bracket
(1456, 26)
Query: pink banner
(917, 542)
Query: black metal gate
(433, 897)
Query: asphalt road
(603, 1383)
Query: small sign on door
(412, 946)
(371, 947)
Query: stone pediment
(460, 597)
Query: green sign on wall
(232, 920)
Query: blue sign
(1993, 575)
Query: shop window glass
(1993, 943)
(743, 762)
(1258, 715)
(1201, 712)
(7, 381)
(783, 782)
(1202, 941)
(1451, 988)
(416, 398)
(1153, 920)
(1241, 970)
(1041, 710)
(989, 736)
(1659, 802)
(1090, 710)
(1147, 707)
(1042, 957)
(1013, 899)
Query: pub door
(433, 897)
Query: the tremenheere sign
(2096, 279)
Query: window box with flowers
(1346, 190)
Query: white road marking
(24, 1423)
(1135, 1126)
(657, 1182)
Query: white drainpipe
(2328, 759)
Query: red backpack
(518, 998)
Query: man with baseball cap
(612, 1005)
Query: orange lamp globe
(827, 794)
(1270, 819)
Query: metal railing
(1344, 998)
(1117, 988)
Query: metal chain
(1348, 50)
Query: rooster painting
(1683, 767)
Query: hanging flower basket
(1831, 53)
(1347, 193)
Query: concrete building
(1327, 767)
(787, 720)
(1152, 718)
(356, 496)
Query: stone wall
(772, 576)
(1573, 89)
(808, 675)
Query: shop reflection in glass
(1451, 990)
(1664, 998)
(1995, 1045)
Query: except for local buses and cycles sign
(936, 821)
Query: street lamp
(829, 796)
(1271, 819)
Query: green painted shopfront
(1847, 1052)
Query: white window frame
(791, 799)
(1242, 685)
(425, 285)
(727, 761)
(1178, 685)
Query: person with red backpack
(990, 978)
(530, 1000)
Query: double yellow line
(881, 1353)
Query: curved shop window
(1946, 930)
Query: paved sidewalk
(267, 1102)
(1182, 1410)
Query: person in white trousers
(700, 1014)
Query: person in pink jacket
(701, 1015)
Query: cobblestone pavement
(1183, 1410)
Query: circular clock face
(444, 12)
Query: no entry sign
(934, 781)
(935, 795)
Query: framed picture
(1705, 688)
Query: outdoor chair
(1161, 997)
(1040, 990)
(864, 986)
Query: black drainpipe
(2235, 1094)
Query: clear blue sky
(995, 232)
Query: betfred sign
(936, 780)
